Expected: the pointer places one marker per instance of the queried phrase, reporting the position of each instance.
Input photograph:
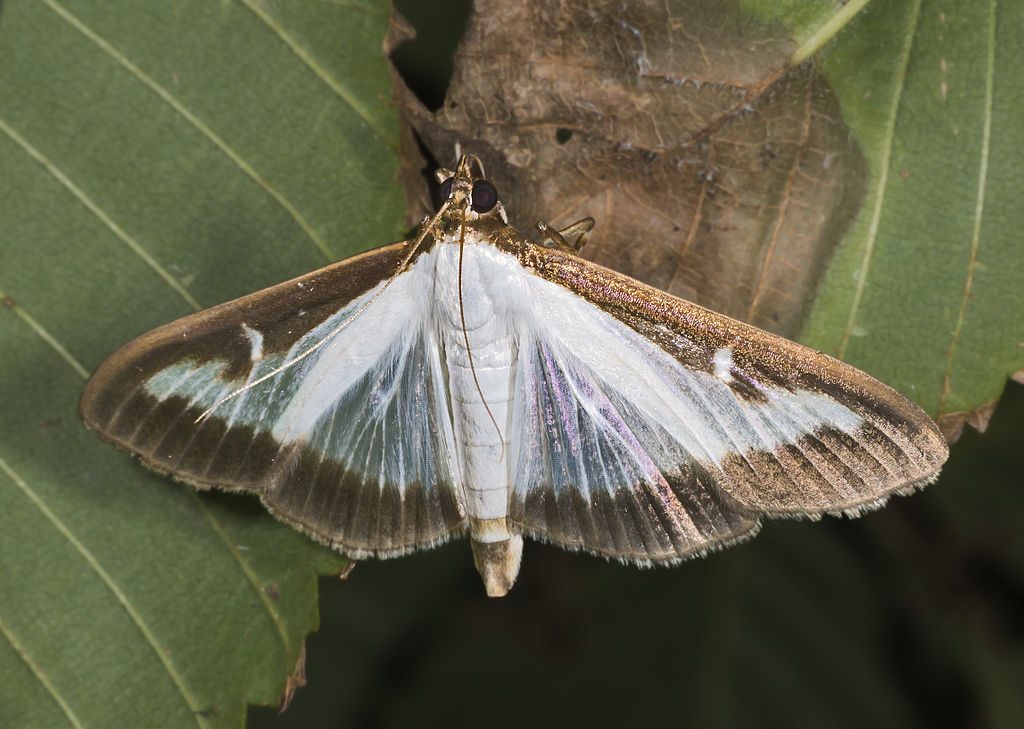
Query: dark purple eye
(443, 192)
(485, 196)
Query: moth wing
(651, 429)
(353, 444)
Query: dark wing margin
(763, 400)
(146, 397)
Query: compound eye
(443, 192)
(485, 196)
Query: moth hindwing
(472, 381)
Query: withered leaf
(713, 171)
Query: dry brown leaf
(952, 424)
(713, 171)
(296, 680)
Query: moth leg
(578, 233)
(570, 238)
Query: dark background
(911, 616)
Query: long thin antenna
(465, 337)
(427, 227)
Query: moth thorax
(484, 283)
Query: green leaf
(158, 158)
(925, 290)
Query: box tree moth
(472, 381)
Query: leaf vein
(40, 676)
(979, 208)
(195, 121)
(828, 30)
(243, 564)
(96, 210)
(111, 584)
(250, 575)
(332, 82)
(38, 328)
(785, 199)
(883, 180)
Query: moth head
(466, 190)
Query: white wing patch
(372, 398)
(723, 364)
(625, 408)
(255, 338)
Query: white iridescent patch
(255, 338)
(722, 361)
(196, 383)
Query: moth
(472, 381)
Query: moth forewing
(148, 396)
(471, 381)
